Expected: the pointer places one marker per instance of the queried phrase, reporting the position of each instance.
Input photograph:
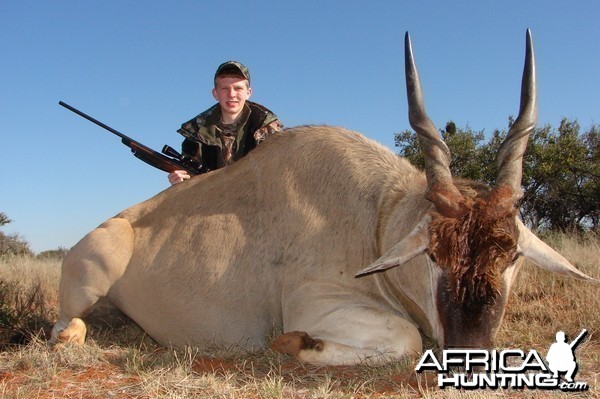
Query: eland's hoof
(73, 334)
(293, 342)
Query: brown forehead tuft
(475, 249)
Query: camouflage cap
(235, 68)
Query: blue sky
(144, 67)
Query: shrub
(14, 244)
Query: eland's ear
(410, 246)
(547, 258)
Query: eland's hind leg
(88, 272)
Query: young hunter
(228, 130)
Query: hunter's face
(231, 92)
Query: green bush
(14, 244)
(57, 254)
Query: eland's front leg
(340, 329)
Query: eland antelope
(346, 247)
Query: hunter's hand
(178, 176)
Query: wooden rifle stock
(142, 152)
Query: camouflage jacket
(205, 142)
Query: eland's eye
(517, 254)
(431, 256)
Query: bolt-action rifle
(168, 161)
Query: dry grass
(123, 362)
(28, 297)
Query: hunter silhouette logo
(561, 355)
(509, 368)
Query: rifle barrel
(97, 122)
(146, 154)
